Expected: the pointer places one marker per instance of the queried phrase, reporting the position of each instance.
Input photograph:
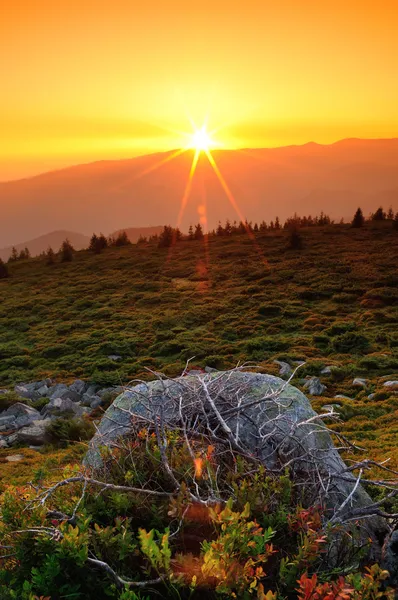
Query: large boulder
(276, 424)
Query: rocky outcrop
(22, 422)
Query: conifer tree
(390, 214)
(66, 251)
(379, 215)
(198, 232)
(14, 255)
(358, 220)
(220, 229)
(191, 235)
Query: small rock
(360, 381)
(392, 384)
(371, 396)
(329, 407)
(14, 457)
(78, 386)
(326, 371)
(27, 390)
(315, 387)
(43, 390)
(36, 434)
(11, 439)
(56, 390)
(95, 402)
(92, 389)
(23, 414)
(59, 406)
(285, 369)
(3, 443)
(3, 391)
(87, 399)
(114, 357)
(344, 397)
(71, 395)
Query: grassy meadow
(223, 300)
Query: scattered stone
(78, 386)
(344, 397)
(70, 395)
(3, 443)
(87, 399)
(110, 390)
(360, 381)
(23, 414)
(315, 387)
(393, 384)
(285, 369)
(11, 439)
(114, 357)
(92, 389)
(7, 422)
(56, 390)
(326, 371)
(61, 406)
(95, 402)
(14, 457)
(43, 390)
(36, 434)
(329, 407)
(27, 390)
(371, 396)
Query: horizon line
(214, 150)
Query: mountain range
(107, 195)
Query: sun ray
(234, 204)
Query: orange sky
(83, 80)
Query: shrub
(3, 270)
(350, 342)
(64, 429)
(10, 398)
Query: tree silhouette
(166, 237)
(14, 255)
(98, 243)
(198, 232)
(358, 220)
(50, 256)
(66, 251)
(3, 270)
(379, 215)
(390, 214)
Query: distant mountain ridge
(78, 240)
(102, 196)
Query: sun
(201, 140)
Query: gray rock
(87, 399)
(70, 395)
(6, 421)
(43, 391)
(78, 386)
(315, 387)
(371, 396)
(285, 369)
(390, 560)
(3, 443)
(23, 414)
(114, 357)
(210, 370)
(92, 389)
(360, 381)
(95, 402)
(392, 384)
(292, 410)
(56, 390)
(343, 397)
(326, 371)
(4, 391)
(27, 390)
(11, 439)
(61, 407)
(35, 435)
(328, 407)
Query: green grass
(335, 302)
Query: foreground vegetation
(329, 300)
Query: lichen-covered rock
(315, 387)
(292, 432)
